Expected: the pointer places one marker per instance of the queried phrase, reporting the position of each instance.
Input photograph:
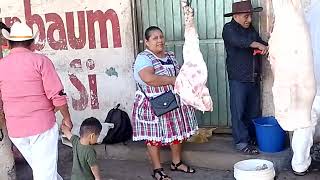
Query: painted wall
(91, 45)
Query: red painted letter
(93, 91)
(93, 85)
(76, 43)
(82, 103)
(35, 19)
(102, 18)
(57, 25)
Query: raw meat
(313, 16)
(191, 81)
(291, 59)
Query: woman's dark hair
(90, 125)
(148, 31)
(25, 44)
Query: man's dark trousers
(245, 106)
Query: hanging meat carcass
(291, 59)
(191, 81)
(312, 16)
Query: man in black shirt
(241, 41)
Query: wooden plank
(210, 14)
(177, 25)
(139, 26)
(145, 14)
(221, 73)
(228, 95)
(168, 8)
(170, 48)
(200, 119)
(201, 22)
(227, 9)
(256, 16)
(212, 82)
(219, 18)
(152, 13)
(204, 50)
(178, 53)
(160, 14)
(228, 105)
(195, 7)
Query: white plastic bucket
(254, 169)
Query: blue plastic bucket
(270, 136)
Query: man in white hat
(31, 90)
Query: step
(218, 154)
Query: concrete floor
(138, 168)
(218, 153)
(129, 170)
(133, 170)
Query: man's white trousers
(41, 153)
(302, 141)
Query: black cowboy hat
(243, 7)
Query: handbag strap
(174, 67)
(175, 74)
(144, 93)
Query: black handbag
(163, 103)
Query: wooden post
(266, 25)
(7, 170)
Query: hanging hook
(189, 2)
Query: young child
(85, 165)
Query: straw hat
(19, 32)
